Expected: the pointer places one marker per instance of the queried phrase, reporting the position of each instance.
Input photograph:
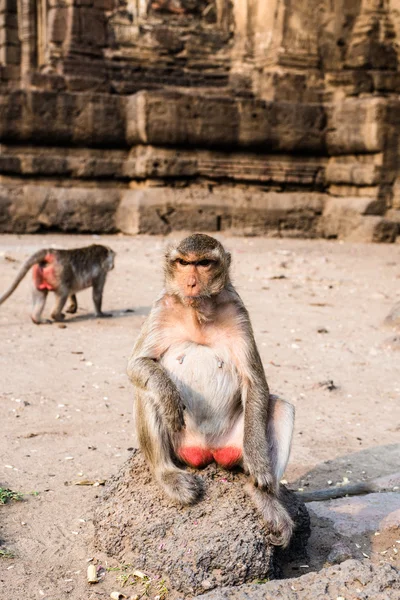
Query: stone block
(361, 514)
(351, 580)
(356, 126)
(30, 208)
(284, 126)
(8, 20)
(246, 210)
(105, 4)
(374, 229)
(355, 170)
(149, 162)
(396, 193)
(164, 118)
(9, 36)
(58, 24)
(46, 117)
(343, 216)
(10, 55)
(355, 191)
(393, 215)
(92, 27)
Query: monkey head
(197, 268)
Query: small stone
(339, 553)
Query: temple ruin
(275, 118)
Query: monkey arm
(147, 374)
(255, 398)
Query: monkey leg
(38, 302)
(73, 306)
(279, 432)
(156, 444)
(57, 313)
(98, 286)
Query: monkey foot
(201, 457)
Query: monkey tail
(352, 489)
(34, 259)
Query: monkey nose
(191, 282)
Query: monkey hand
(262, 477)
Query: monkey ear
(228, 258)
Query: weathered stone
(58, 18)
(182, 119)
(374, 229)
(36, 208)
(211, 91)
(349, 126)
(342, 216)
(91, 119)
(351, 579)
(364, 170)
(361, 514)
(339, 553)
(195, 547)
(161, 210)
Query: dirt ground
(317, 309)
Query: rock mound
(353, 579)
(217, 542)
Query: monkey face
(193, 275)
(198, 268)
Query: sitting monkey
(65, 272)
(200, 389)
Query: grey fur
(163, 413)
(75, 270)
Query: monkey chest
(205, 377)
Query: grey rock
(360, 580)
(219, 541)
(361, 514)
(339, 553)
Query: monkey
(201, 394)
(65, 272)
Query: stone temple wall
(275, 118)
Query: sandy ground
(317, 310)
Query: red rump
(44, 276)
(227, 457)
(201, 457)
(196, 457)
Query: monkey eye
(182, 262)
(205, 262)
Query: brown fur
(65, 272)
(200, 387)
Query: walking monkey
(65, 272)
(200, 389)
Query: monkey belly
(44, 277)
(210, 389)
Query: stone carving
(315, 78)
